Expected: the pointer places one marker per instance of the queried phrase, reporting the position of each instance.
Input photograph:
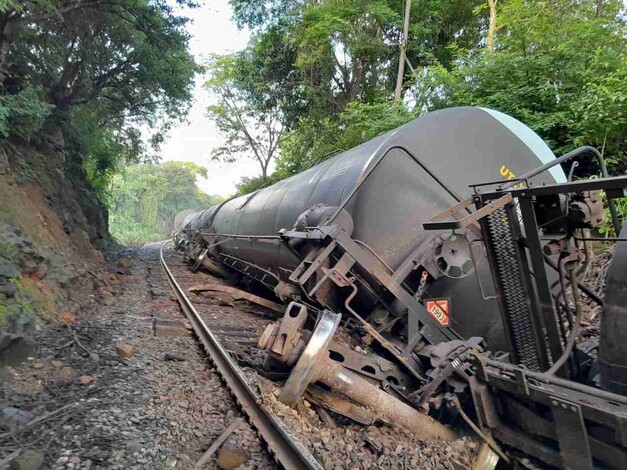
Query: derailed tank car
(436, 274)
(405, 176)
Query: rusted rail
(287, 451)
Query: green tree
(16, 16)
(348, 50)
(331, 67)
(267, 70)
(315, 140)
(560, 67)
(145, 198)
(257, 14)
(98, 69)
(249, 130)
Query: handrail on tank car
(578, 152)
(325, 156)
(376, 164)
(354, 190)
(241, 236)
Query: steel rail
(280, 441)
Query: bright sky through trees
(212, 32)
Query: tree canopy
(250, 123)
(100, 69)
(145, 198)
(330, 67)
(560, 67)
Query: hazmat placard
(440, 309)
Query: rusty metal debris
(283, 341)
(238, 294)
(209, 265)
(486, 459)
(339, 405)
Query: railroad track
(286, 449)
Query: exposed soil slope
(53, 231)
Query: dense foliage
(100, 70)
(316, 78)
(328, 70)
(145, 199)
(560, 67)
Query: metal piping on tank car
(578, 152)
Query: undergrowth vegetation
(145, 199)
(32, 297)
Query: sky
(212, 32)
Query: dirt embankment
(53, 232)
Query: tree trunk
(401, 60)
(491, 25)
(10, 30)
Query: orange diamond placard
(439, 308)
